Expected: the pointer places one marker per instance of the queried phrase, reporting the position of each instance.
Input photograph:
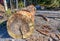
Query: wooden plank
(49, 13)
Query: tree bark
(5, 4)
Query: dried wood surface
(45, 30)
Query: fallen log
(21, 24)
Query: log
(49, 14)
(21, 24)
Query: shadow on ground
(3, 30)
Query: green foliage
(21, 4)
(55, 3)
(8, 12)
(49, 3)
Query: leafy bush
(21, 4)
(50, 3)
(8, 12)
